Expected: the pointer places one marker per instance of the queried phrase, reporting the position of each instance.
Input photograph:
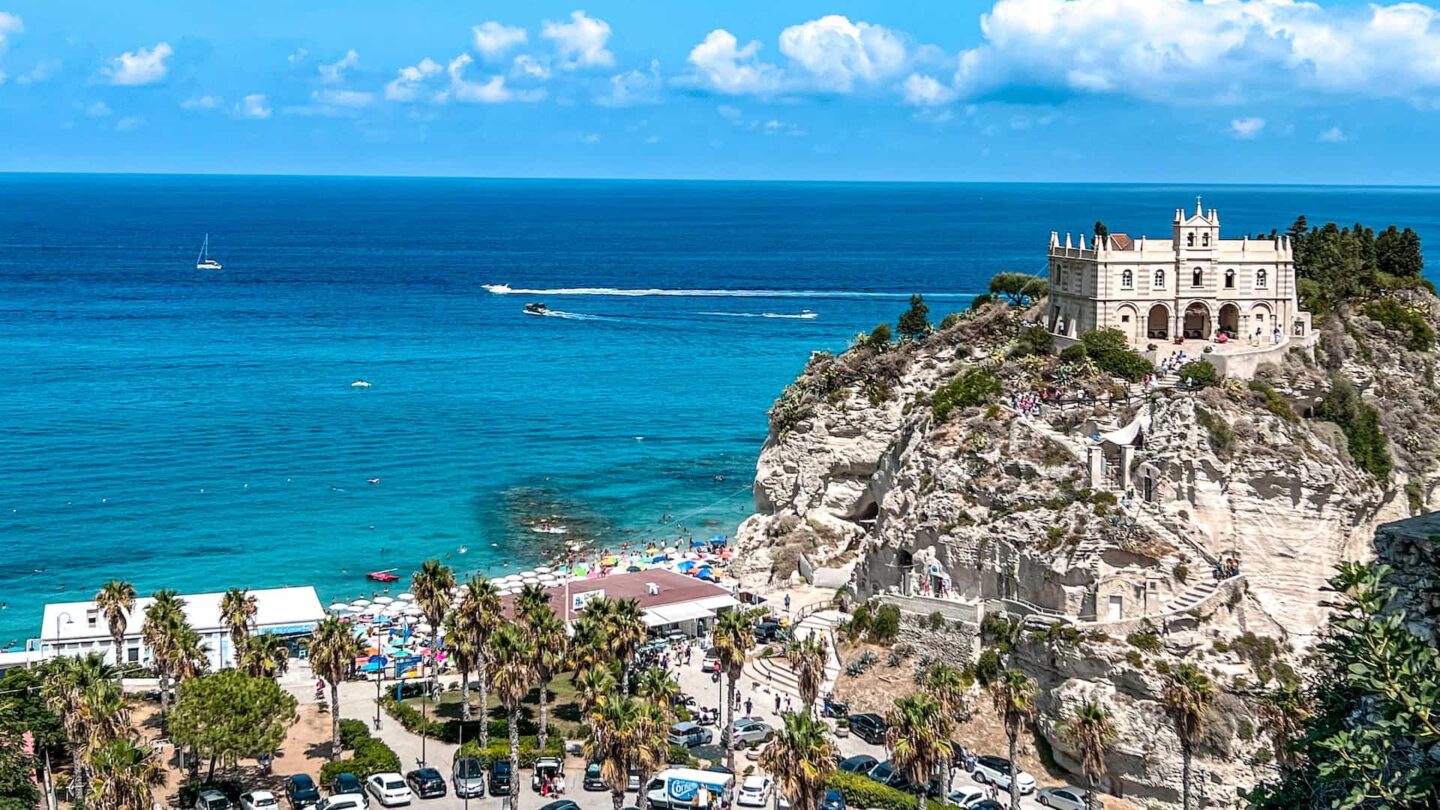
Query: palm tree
(657, 686)
(1014, 696)
(802, 759)
(1090, 732)
(532, 601)
(513, 659)
(265, 655)
(126, 773)
(589, 646)
(116, 599)
(807, 657)
(549, 641)
(950, 686)
(237, 612)
(615, 723)
(650, 743)
(191, 658)
(734, 637)
(82, 690)
(333, 648)
(1188, 693)
(432, 584)
(625, 628)
(480, 608)
(163, 620)
(918, 737)
(592, 685)
(460, 641)
(1284, 710)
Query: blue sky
(1267, 91)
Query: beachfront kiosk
(77, 628)
(669, 602)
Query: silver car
(1062, 798)
(749, 731)
(468, 777)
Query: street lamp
(64, 614)
(379, 676)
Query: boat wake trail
(571, 316)
(807, 315)
(505, 289)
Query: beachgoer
(749, 707)
(777, 702)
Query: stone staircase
(775, 671)
(1191, 597)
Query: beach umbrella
(634, 569)
(359, 605)
(414, 610)
(697, 543)
(383, 600)
(407, 596)
(361, 602)
(542, 570)
(719, 539)
(339, 606)
(684, 566)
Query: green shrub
(980, 300)
(1181, 572)
(1273, 402)
(936, 620)
(680, 755)
(886, 625)
(950, 320)
(1073, 353)
(987, 669)
(1035, 340)
(371, 756)
(499, 750)
(879, 338)
(1199, 374)
(975, 386)
(1395, 316)
(1146, 641)
(1111, 351)
(1221, 435)
(352, 732)
(1361, 424)
(861, 791)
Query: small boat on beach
(387, 575)
(203, 261)
(536, 309)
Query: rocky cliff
(866, 470)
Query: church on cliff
(1191, 287)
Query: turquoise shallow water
(198, 430)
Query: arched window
(1127, 280)
(1159, 279)
(1260, 278)
(1205, 240)
(1229, 279)
(1190, 239)
(1197, 277)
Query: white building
(76, 628)
(1192, 286)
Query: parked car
(966, 796)
(345, 784)
(748, 731)
(344, 801)
(500, 778)
(212, 800)
(427, 783)
(833, 800)
(301, 791)
(258, 800)
(769, 631)
(868, 727)
(389, 789)
(1062, 798)
(886, 774)
(593, 779)
(546, 769)
(861, 764)
(468, 777)
(563, 804)
(753, 792)
(992, 770)
(690, 735)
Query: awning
(714, 603)
(674, 614)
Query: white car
(996, 771)
(966, 796)
(212, 800)
(753, 792)
(343, 801)
(1062, 798)
(389, 789)
(259, 800)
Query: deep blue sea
(198, 430)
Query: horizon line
(665, 179)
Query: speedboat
(372, 480)
(536, 309)
(360, 384)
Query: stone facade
(1193, 285)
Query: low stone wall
(923, 606)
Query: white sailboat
(203, 261)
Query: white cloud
(128, 123)
(254, 105)
(491, 91)
(352, 99)
(143, 66)
(838, 53)
(529, 67)
(1333, 135)
(202, 102)
(1184, 51)
(98, 110)
(407, 82)
(729, 113)
(725, 68)
(926, 91)
(492, 39)
(590, 137)
(335, 71)
(633, 87)
(580, 43)
(9, 24)
(297, 57)
(1247, 128)
(43, 70)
